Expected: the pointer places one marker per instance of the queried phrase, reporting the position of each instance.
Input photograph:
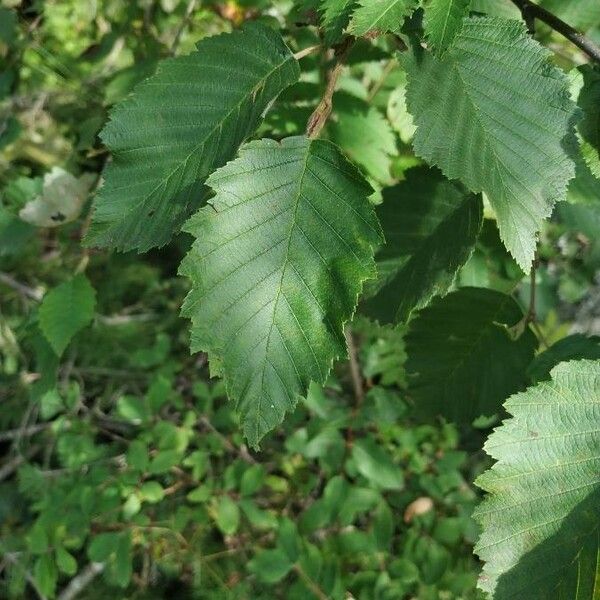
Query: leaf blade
(274, 320)
(160, 163)
(502, 131)
(431, 225)
(461, 358)
(65, 310)
(547, 456)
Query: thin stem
(532, 11)
(317, 120)
(314, 588)
(24, 290)
(531, 315)
(302, 53)
(184, 23)
(357, 382)
(389, 67)
(81, 581)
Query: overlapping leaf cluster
(286, 237)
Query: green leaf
(45, 574)
(335, 15)
(8, 25)
(383, 527)
(164, 461)
(270, 566)
(137, 455)
(177, 127)
(462, 357)
(51, 404)
(252, 480)
(114, 549)
(279, 259)
(227, 515)
(379, 16)
(367, 139)
(152, 492)
(65, 561)
(494, 113)
(587, 90)
(540, 518)
(65, 310)
(443, 19)
(133, 409)
(569, 348)
(374, 463)
(14, 233)
(430, 226)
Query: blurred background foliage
(124, 473)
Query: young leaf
(279, 259)
(430, 226)
(379, 16)
(462, 357)
(443, 19)
(494, 113)
(65, 310)
(178, 127)
(540, 519)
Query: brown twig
(532, 11)
(319, 117)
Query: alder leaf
(379, 16)
(494, 113)
(180, 125)
(540, 523)
(463, 361)
(65, 310)
(443, 19)
(430, 225)
(279, 259)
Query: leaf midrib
(298, 196)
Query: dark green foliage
(285, 159)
